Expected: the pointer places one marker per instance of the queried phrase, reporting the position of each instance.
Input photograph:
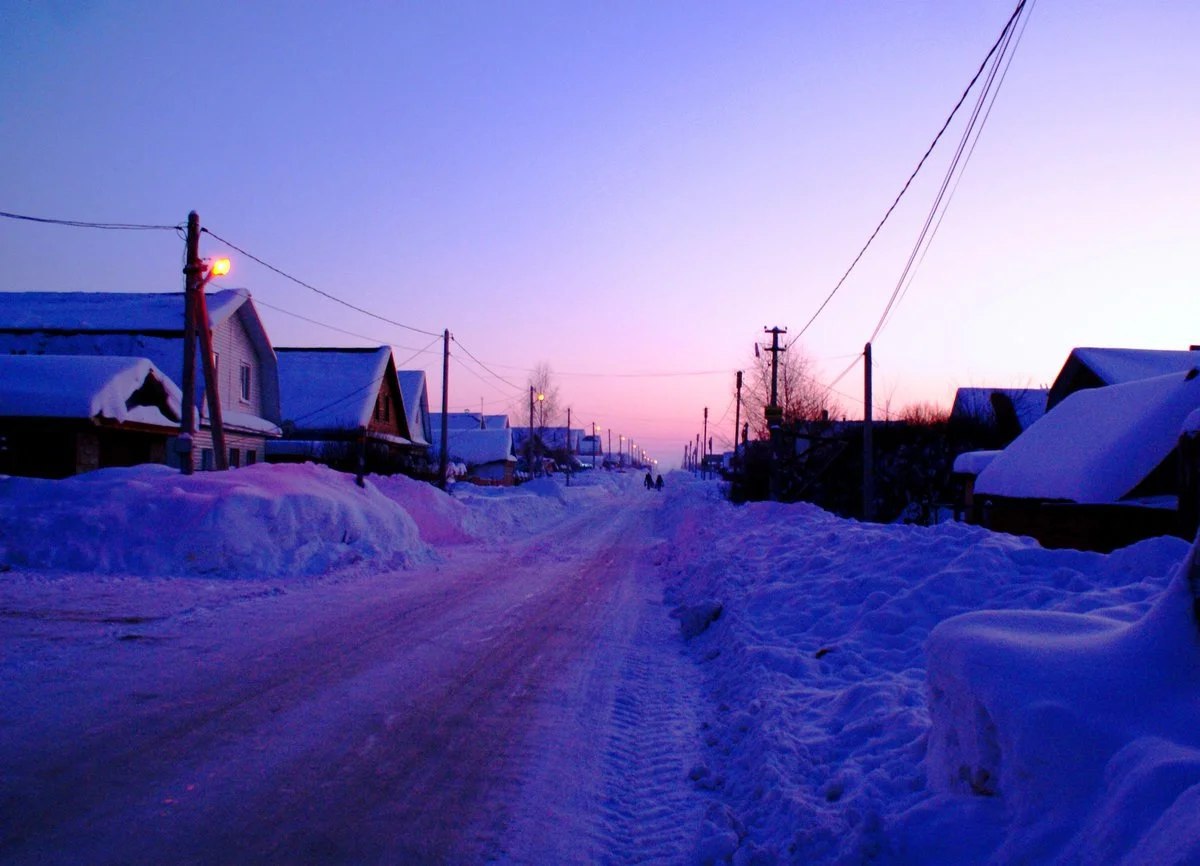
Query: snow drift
(258, 521)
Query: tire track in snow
(651, 813)
(619, 737)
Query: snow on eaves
(63, 386)
(1097, 445)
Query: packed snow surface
(641, 676)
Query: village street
(521, 701)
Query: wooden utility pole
(211, 391)
(570, 454)
(868, 491)
(737, 420)
(444, 463)
(195, 323)
(191, 286)
(704, 453)
(774, 413)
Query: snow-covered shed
(1095, 368)
(414, 390)
(1099, 471)
(343, 405)
(61, 415)
(487, 454)
(136, 325)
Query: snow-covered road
(523, 702)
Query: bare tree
(545, 408)
(924, 414)
(799, 394)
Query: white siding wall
(233, 347)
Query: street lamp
(533, 395)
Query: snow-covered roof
(495, 422)
(415, 392)
(248, 423)
(118, 389)
(974, 462)
(477, 447)
(1098, 444)
(977, 404)
(456, 421)
(91, 312)
(1089, 367)
(330, 389)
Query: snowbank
(258, 521)
(1083, 726)
(820, 719)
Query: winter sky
(622, 188)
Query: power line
(261, 303)
(83, 224)
(432, 343)
(485, 366)
(920, 164)
(313, 288)
(993, 91)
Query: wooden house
(1099, 471)
(61, 415)
(342, 406)
(150, 326)
(414, 391)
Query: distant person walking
(658, 483)
(649, 482)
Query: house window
(244, 378)
(382, 410)
(206, 460)
(235, 458)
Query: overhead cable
(982, 66)
(313, 288)
(83, 224)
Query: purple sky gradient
(623, 188)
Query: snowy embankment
(1069, 734)
(256, 522)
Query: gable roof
(1098, 444)
(124, 324)
(1090, 367)
(331, 388)
(415, 392)
(495, 422)
(111, 388)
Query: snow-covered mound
(816, 667)
(258, 521)
(1083, 726)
